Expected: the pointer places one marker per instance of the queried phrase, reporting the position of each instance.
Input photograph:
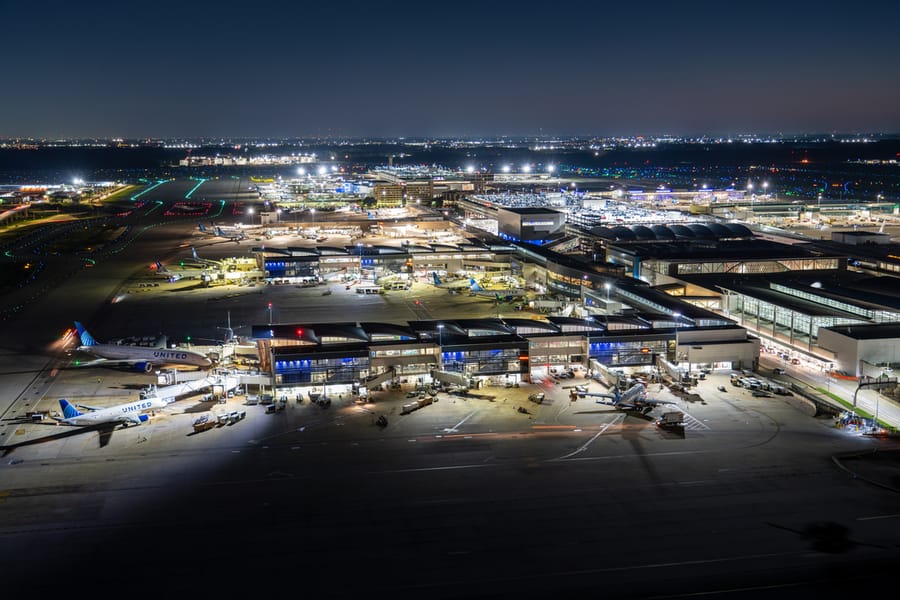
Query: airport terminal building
(347, 357)
(531, 224)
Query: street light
(440, 329)
(270, 313)
(606, 286)
(312, 212)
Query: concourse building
(364, 356)
(531, 224)
(414, 259)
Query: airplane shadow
(672, 432)
(627, 413)
(104, 430)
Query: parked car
(778, 371)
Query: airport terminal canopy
(857, 293)
(677, 231)
(880, 331)
(531, 326)
(567, 324)
(388, 331)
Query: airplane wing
(86, 407)
(656, 401)
(91, 363)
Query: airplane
(506, 295)
(453, 284)
(182, 273)
(634, 399)
(203, 261)
(141, 358)
(127, 414)
(236, 235)
(224, 228)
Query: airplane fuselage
(150, 355)
(130, 412)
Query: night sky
(259, 68)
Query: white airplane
(234, 235)
(141, 358)
(500, 295)
(180, 273)
(128, 413)
(634, 399)
(203, 261)
(452, 284)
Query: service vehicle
(672, 418)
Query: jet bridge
(450, 378)
(380, 378)
(170, 393)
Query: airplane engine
(146, 367)
(144, 418)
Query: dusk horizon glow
(360, 70)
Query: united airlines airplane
(141, 358)
(129, 413)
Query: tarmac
(880, 467)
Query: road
(868, 400)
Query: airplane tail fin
(437, 280)
(201, 227)
(474, 285)
(86, 338)
(160, 268)
(68, 410)
(194, 253)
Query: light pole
(312, 212)
(250, 212)
(606, 286)
(270, 313)
(440, 329)
(278, 216)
